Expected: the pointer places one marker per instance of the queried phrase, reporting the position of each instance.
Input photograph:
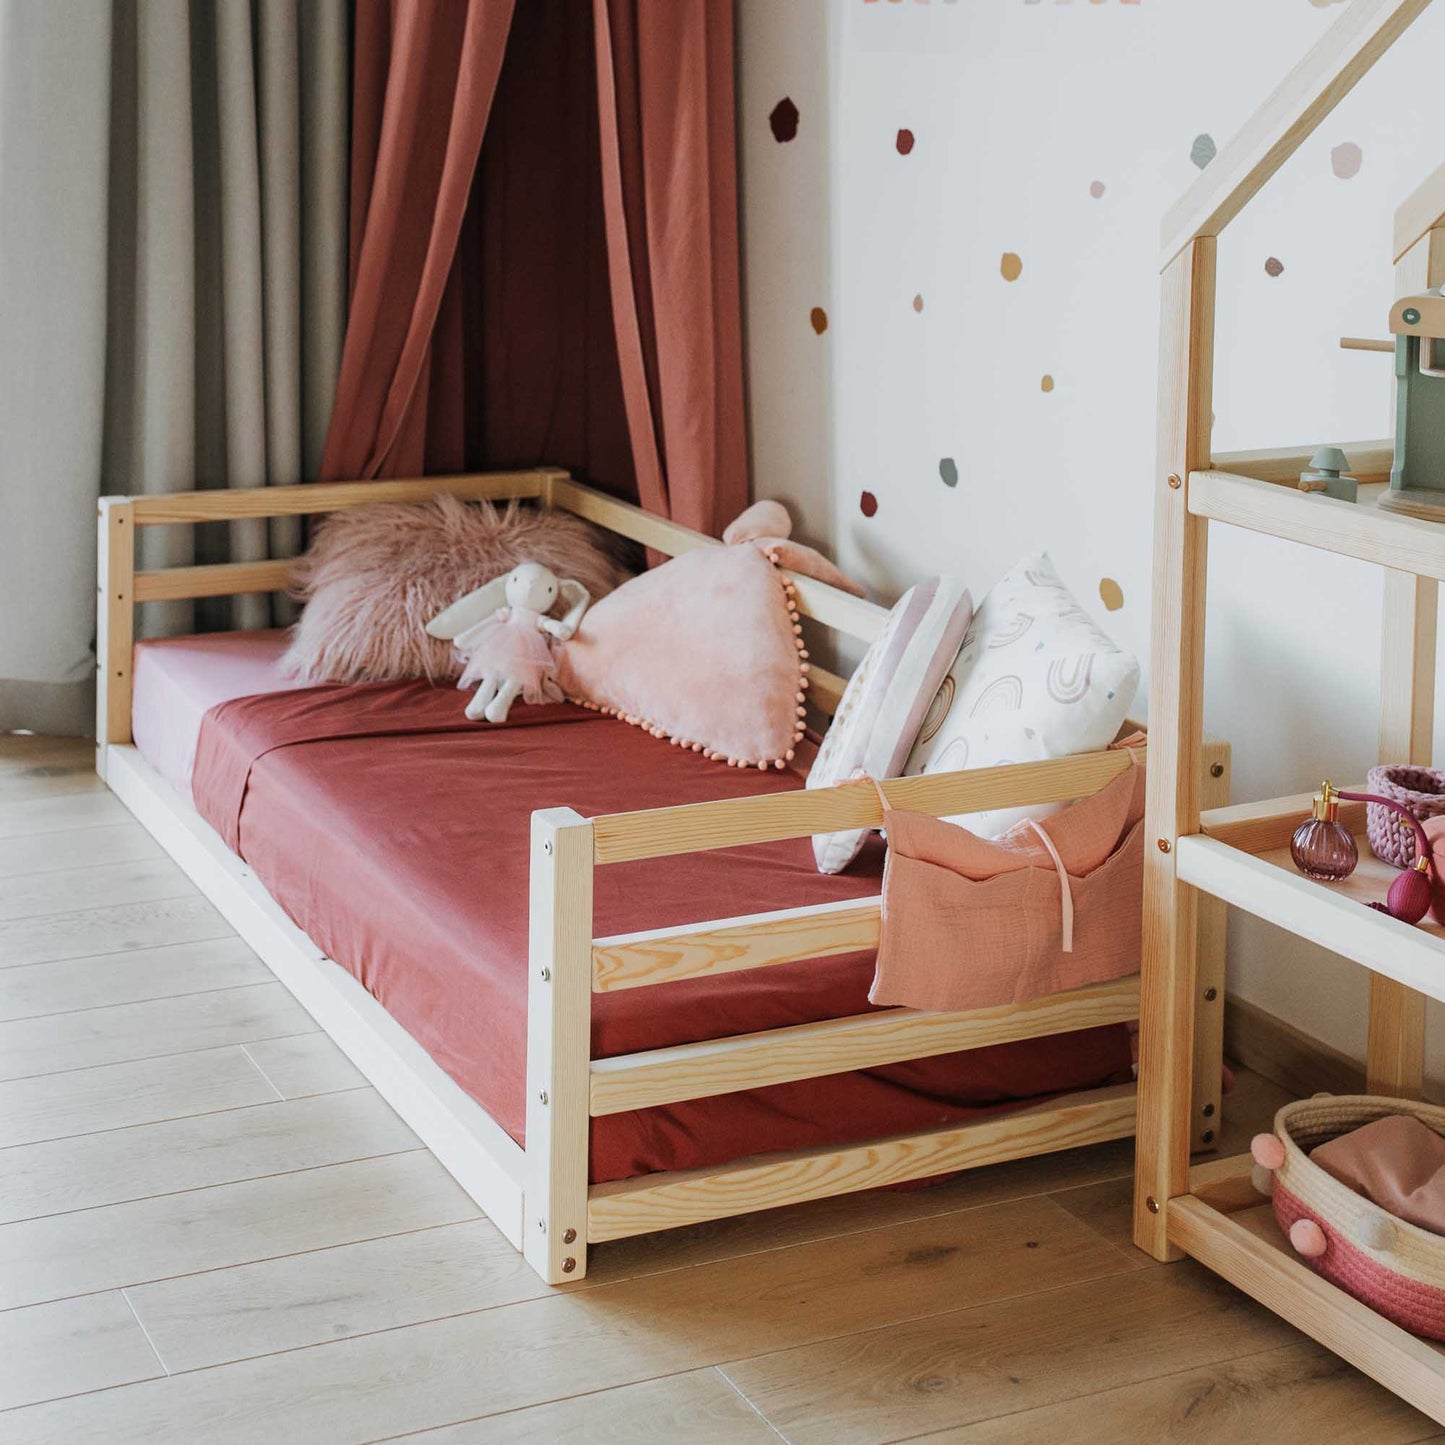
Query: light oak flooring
(211, 1230)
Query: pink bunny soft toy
(504, 636)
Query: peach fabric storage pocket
(972, 922)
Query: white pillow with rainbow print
(1036, 678)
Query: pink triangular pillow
(706, 650)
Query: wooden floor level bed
(539, 1195)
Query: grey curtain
(177, 176)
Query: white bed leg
(559, 1045)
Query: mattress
(396, 835)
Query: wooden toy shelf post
(1199, 856)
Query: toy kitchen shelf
(1210, 1211)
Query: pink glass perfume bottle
(1322, 847)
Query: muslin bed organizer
(970, 922)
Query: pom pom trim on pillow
(790, 598)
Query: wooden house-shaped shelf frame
(1197, 857)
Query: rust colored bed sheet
(395, 833)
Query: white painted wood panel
(143, 881)
(49, 852)
(64, 1348)
(117, 1096)
(330, 1294)
(54, 815)
(170, 971)
(305, 1064)
(147, 1030)
(175, 1234)
(698, 1407)
(93, 931)
(90, 1170)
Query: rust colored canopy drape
(544, 248)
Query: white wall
(1017, 107)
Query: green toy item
(1417, 479)
(1329, 473)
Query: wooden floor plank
(52, 1350)
(332, 1294)
(204, 1229)
(1299, 1393)
(60, 778)
(595, 1338)
(699, 1408)
(43, 894)
(118, 1096)
(88, 932)
(30, 854)
(89, 1037)
(994, 1359)
(171, 971)
(305, 1064)
(53, 815)
(276, 1137)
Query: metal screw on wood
(1174, 482)
(1216, 770)
(570, 1237)
(568, 1265)
(1152, 1205)
(546, 975)
(1164, 845)
(542, 1225)
(1208, 1111)
(547, 847)
(1210, 994)
(1208, 1136)
(542, 1095)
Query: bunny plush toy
(504, 635)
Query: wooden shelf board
(1350, 529)
(1248, 1249)
(1334, 915)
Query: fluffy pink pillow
(705, 649)
(373, 578)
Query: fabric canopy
(544, 248)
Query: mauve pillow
(705, 649)
(373, 578)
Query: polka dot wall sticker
(918, 302)
(818, 319)
(1046, 382)
(1110, 594)
(948, 470)
(868, 504)
(1274, 267)
(904, 141)
(1096, 189)
(1203, 150)
(783, 120)
(1011, 267)
(1346, 159)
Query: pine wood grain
(179, 1234)
(118, 1096)
(89, 1037)
(275, 1137)
(52, 1350)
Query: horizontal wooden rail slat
(665, 1201)
(731, 822)
(853, 615)
(833, 1046)
(1420, 212)
(232, 504)
(1348, 528)
(725, 945)
(1327, 73)
(1369, 462)
(1261, 827)
(220, 579)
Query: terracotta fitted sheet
(396, 835)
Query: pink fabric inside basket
(1397, 1162)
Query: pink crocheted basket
(1420, 790)
(1393, 1266)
